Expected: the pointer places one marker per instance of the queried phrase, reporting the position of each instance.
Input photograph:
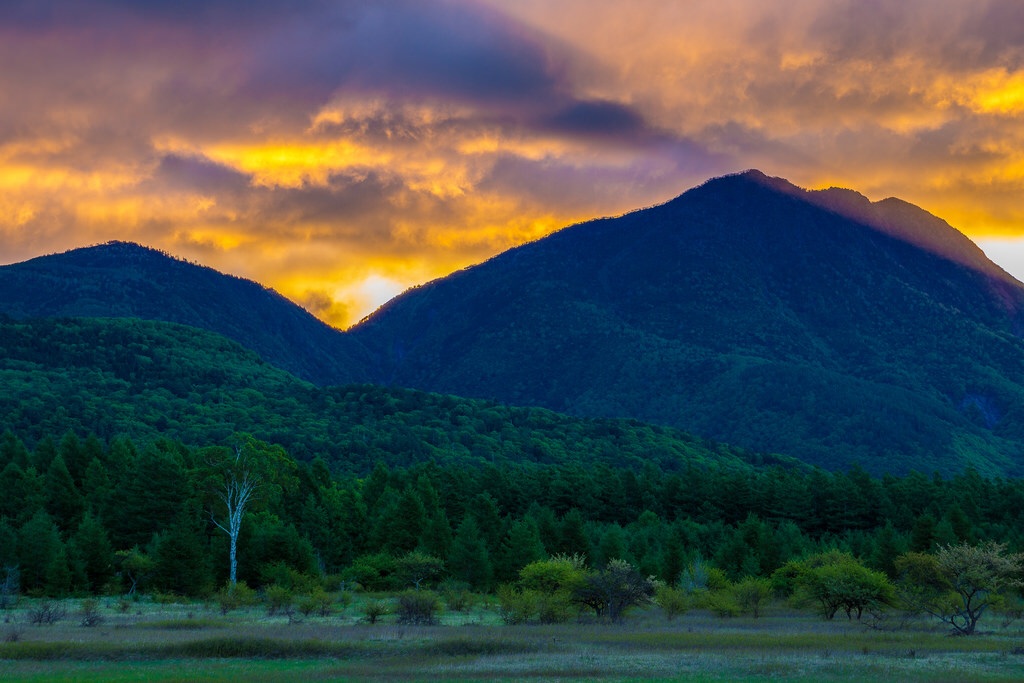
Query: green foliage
(515, 605)
(374, 609)
(752, 594)
(319, 603)
(375, 572)
(959, 583)
(278, 599)
(419, 569)
(231, 597)
(673, 602)
(835, 580)
(612, 591)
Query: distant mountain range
(747, 310)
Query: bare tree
(236, 489)
(237, 478)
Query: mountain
(120, 279)
(149, 380)
(747, 310)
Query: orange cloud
(341, 151)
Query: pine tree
(180, 555)
(573, 536)
(520, 547)
(612, 545)
(63, 499)
(93, 548)
(12, 450)
(39, 545)
(469, 560)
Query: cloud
(340, 149)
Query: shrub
(418, 607)
(374, 572)
(90, 613)
(615, 589)
(752, 594)
(280, 574)
(373, 610)
(672, 601)
(46, 613)
(722, 603)
(319, 603)
(457, 596)
(279, 600)
(516, 606)
(231, 598)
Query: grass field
(193, 642)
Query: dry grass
(175, 642)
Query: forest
(81, 516)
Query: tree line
(84, 516)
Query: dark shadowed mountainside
(120, 279)
(747, 310)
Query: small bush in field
(47, 613)
(722, 603)
(752, 595)
(672, 601)
(90, 613)
(319, 603)
(516, 606)
(418, 607)
(231, 598)
(279, 600)
(373, 610)
(457, 596)
(344, 600)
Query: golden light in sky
(343, 150)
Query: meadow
(193, 641)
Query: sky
(341, 151)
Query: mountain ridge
(746, 310)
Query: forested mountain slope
(121, 279)
(746, 310)
(149, 380)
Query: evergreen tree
(180, 555)
(673, 559)
(39, 546)
(922, 536)
(401, 523)
(469, 560)
(63, 500)
(573, 536)
(44, 453)
(612, 545)
(22, 493)
(887, 548)
(12, 450)
(8, 546)
(484, 509)
(97, 488)
(74, 455)
(95, 552)
(520, 547)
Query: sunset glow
(341, 151)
